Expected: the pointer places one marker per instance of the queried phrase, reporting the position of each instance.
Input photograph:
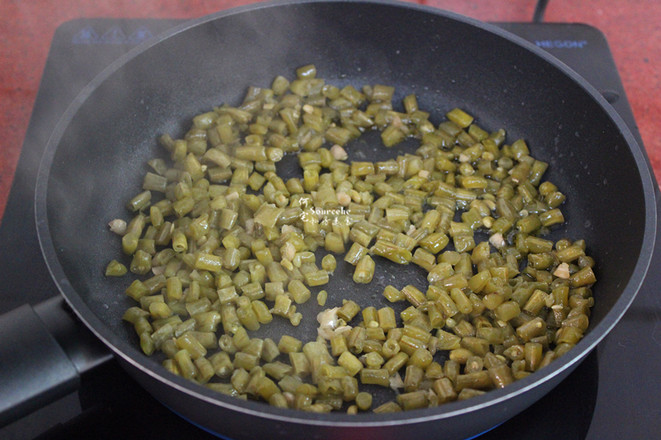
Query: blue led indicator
(114, 35)
(140, 35)
(86, 35)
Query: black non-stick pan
(96, 157)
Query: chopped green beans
(223, 246)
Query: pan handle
(43, 352)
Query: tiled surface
(632, 27)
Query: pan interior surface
(96, 161)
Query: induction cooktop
(613, 394)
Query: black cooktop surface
(613, 394)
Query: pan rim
(131, 355)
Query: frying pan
(96, 156)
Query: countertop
(632, 28)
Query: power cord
(540, 8)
